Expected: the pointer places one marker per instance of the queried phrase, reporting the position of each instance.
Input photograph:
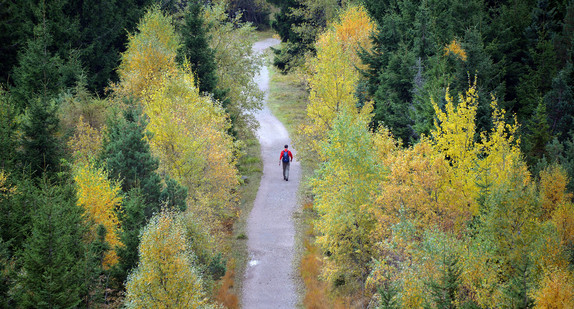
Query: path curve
(270, 273)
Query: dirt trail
(270, 274)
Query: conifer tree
(537, 137)
(560, 103)
(54, 252)
(128, 157)
(103, 36)
(8, 129)
(196, 49)
(133, 219)
(39, 143)
(46, 65)
(201, 57)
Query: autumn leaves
(455, 219)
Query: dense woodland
(441, 137)
(439, 133)
(121, 127)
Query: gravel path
(270, 274)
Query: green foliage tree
(343, 187)
(237, 64)
(44, 67)
(8, 127)
(444, 291)
(40, 145)
(15, 28)
(103, 36)
(253, 11)
(560, 101)
(201, 57)
(299, 23)
(196, 49)
(133, 219)
(538, 136)
(128, 157)
(54, 252)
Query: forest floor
(270, 277)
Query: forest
(438, 136)
(122, 125)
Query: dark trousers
(286, 170)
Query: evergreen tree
(104, 27)
(196, 49)
(8, 127)
(444, 291)
(6, 300)
(537, 136)
(47, 64)
(128, 157)
(506, 40)
(39, 143)
(92, 271)
(133, 219)
(54, 252)
(560, 103)
(173, 195)
(299, 23)
(388, 296)
(15, 30)
(15, 195)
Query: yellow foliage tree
(420, 187)
(150, 54)
(454, 48)
(189, 136)
(553, 193)
(165, 276)
(188, 131)
(343, 188)
(354, 31)
(101, 199)
(6, 190)
(333, 74)
(86, 142)
(475, 165)
(556, 290)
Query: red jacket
(288, 152)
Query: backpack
(285, 155)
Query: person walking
(286, 158)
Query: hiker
(286, 157)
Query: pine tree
(133, 219)
(47, 64)
(128, 157)
(444, 290)
(537, 137)
(8, 127)
(54, 252)
(40, 144)
(15, 30)
(173, 195)
(196, 49)
(201, 57)
(560, 103)
(103, 36)
(388, 296)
